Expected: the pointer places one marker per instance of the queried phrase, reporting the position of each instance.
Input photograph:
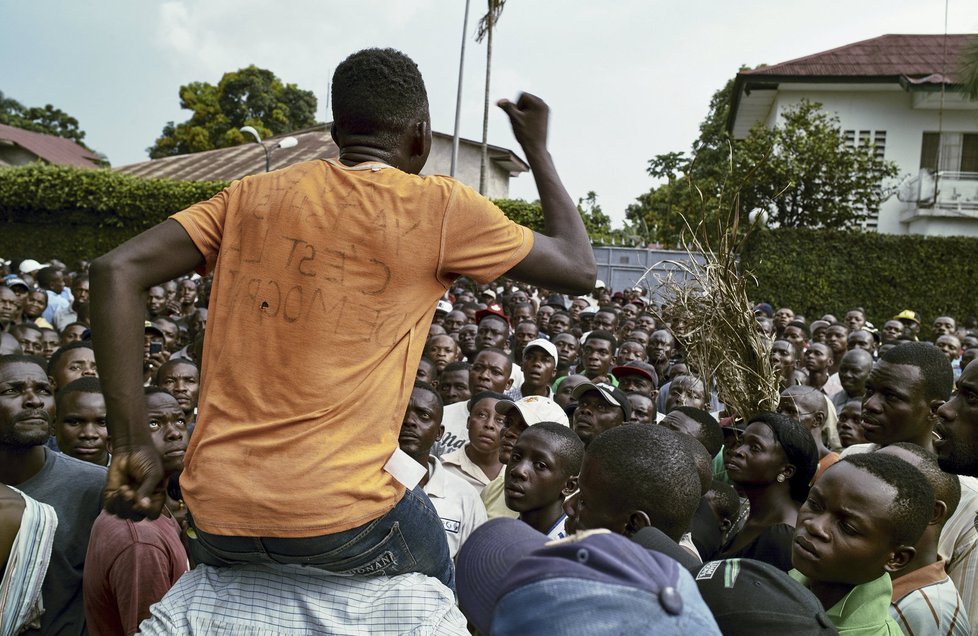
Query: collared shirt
(925, 601)
(557, 530)
(493, 496)
(958, 544)
(516, 393)
(269, 600)
(457, 503)
(864, 610)
(458, 463)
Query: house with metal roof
(19, 146)
(899, 95)
(315, 143)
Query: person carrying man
(357, 249)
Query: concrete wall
(891, 109)
(469, 158)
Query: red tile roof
(918, 58)
(50, 148)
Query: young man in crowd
(597, 354)
(180, 378)
(70, 362)
(600, 407)
(80, 427)
(478, 461)
(73, 488)
(131, 565)
(853, 373)
(248, 232)
(568, 352)
(541, 472)
(808, 406)
(490, 371)
(453, 382)
(456, 501)
(925, 600)
(519, 415)
(539, 366)
(849, 541)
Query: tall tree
(48, 120)
(251, 96)
(486, 26)
(801, 172)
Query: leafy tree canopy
(248, 97)
(48, 120)
(802, 172)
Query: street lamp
(286, 142)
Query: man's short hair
(424, 386)
(86, 384)
(935, 369)
(913, 505)
(13, 358)
(378, 92)
(172, 362)
(570, 448)
(712, 436)
(60, 351)
(458, 365)
(947, 486)
(799, 449)
(637, 460)
(481, 395)
(801, 325)
(599, 334)
(726, 501)
(45, 275)
(25, 326)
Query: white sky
(625, 80)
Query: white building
(225, 164)
(897, 94)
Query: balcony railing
(946, 192)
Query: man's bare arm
(561, 258)
(119, 282)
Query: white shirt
(458, 504)
(454, 418)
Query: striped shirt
(925, 602)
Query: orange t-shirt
(325, 281)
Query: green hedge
(73, 213)
(70, 213)
(822, 271)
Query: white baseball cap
(544, 344)
(534, 409)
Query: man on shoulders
(360, 248)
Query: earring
(781, 478)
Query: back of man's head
(648, 468)
(710, 433)
(378, 92)
(947, 486)
(934, 367)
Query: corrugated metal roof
(910, 56)
(50, 148)
(226, 164)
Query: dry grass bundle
(712, 316)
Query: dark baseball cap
(749, 597)
(636, 367)
(512, 579)
(611, 394)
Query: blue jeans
(408, 538)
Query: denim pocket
(389, 556)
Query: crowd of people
(408, 414)
(570, 415)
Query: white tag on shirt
(404, 469)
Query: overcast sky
(625, 80)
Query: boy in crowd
(541, 472)
(599, 407)
(80, 427)
(72, 361)
(925, 600)
(131, 565)
(849, 541)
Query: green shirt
(864, 611)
